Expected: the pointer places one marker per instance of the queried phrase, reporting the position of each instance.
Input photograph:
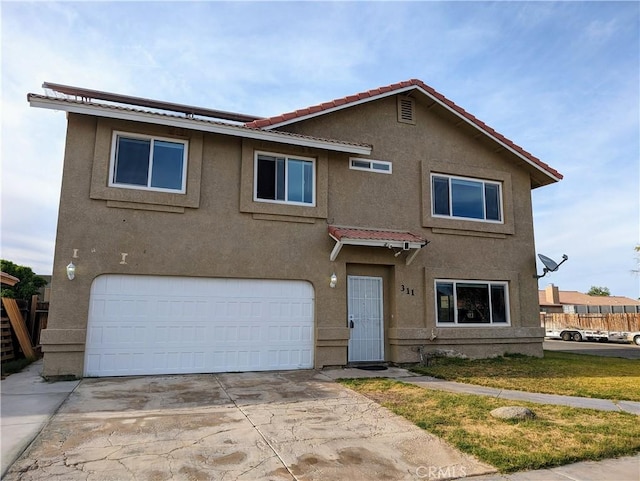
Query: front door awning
(398, 241)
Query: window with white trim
(379, 166)
(148, 163)
(466, 198)
(471, 303)
(284, 179)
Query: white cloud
(600, 31)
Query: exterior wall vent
(406, 110)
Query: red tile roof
(406, 85)
(340, 233)
(575, 298)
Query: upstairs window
(284, 179)
(151, 163)
(466, 198)
(471, 302)
(380, 166)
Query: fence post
(33, 306)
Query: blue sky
(561, 79)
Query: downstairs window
(471, 303)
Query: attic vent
(406, 110)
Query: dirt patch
(351, 463)
(130, 401)
(158, 476)
(193, 474)
(232, 458)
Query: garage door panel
(156, 325)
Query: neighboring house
(365, 229)
(552, 300)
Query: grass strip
(558, 435)
(557, 373)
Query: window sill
(493, 235)
(140, 206)
(471, 326)
(465, 227)
(284, 218)
(153, 200)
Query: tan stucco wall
(217, 230)
(458, 249)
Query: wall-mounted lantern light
(71, 271)
(333, 281)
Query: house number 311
(407, 291)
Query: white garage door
(169, 325)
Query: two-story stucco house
(365, 229)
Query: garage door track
(268, 426)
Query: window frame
(152, 138)
(489, 285)
(483, 183)
(371, 167)
(287, 158)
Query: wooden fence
(603, 322)
(6, 346)
(34, 315)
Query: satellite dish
(549, 264)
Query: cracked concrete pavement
(295, 425)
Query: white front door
(365, 318)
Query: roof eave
(552, 178)
(339, 107)
(144, 102)
(548, 174)
(237, 131)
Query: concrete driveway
(268, 426)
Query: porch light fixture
(71, 271)
(333, 280)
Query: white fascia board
(495, 139)
(339, 107)
(185, 123)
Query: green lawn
(556, 373)
(558, 435)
